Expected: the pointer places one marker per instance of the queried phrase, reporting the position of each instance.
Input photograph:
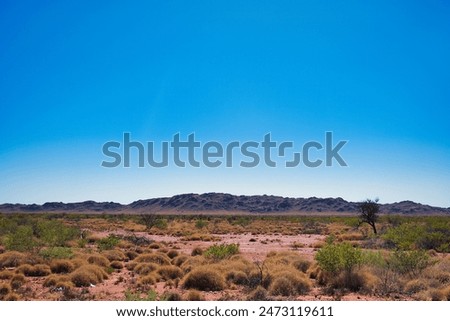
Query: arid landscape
(215, 247)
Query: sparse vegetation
(178, 259)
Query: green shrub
(7, 226)
(335, 258)
(161, 223)
(404, 236)
(55, 233)
(108, 243)
(21, 240)
(137, 296)
(221, 251)
(201, 223)
(429, 233)
(409, 262)
(56, 253)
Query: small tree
(149, 220)
(368, 212)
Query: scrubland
(148, 257)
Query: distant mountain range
(219, 203)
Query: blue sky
(74, 75)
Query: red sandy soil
(254, 248)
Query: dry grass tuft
(192, 263)
(194, 295)
(34, 270)
(415, 286)
(204, 279)
(288, 258)
(131, 255)
(237, 277)
(98, 259)
(17, 281)
(62, 266)
(197, 251)
(360, 280)
(118, 265)
(172, 296)
(115, 255)
(172, 253)
(169, 272)
(296, 283)
(145, 268)
(282, 286)
(11, 259)
(180, 259)
(6, 275)
(147, 280)
(259, 294)
(5, 289)
(58, 281)
(155, 246)
(158, 258)
(438, 295)
(87, 275)
(12, 297)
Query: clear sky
(76, 74)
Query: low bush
(114, 255)
(108, 243)
(6, 275)
(5, 289)
(415, 286)
(58, 281)
(17, 281)
(12, 297)
(409, 262)
(283, 287)
(355, 281)
(56, 253)
(237, 277)
(169, 272)
(334, 258)
(204, 279)
(11, 259)
(197, 251)
(258, 294)
(54, 233)
(87, 275)
(147, 280)
(221, 251)
(98, 259)
(21, 240)
(201, 223)
(298, 283)
(172, 253)
(118, 265)
(145, 268)
(158, 258)
(131, 255)
(180, 259)
(171, 296)
(62, 266)
(194, 295)
(34, 270)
